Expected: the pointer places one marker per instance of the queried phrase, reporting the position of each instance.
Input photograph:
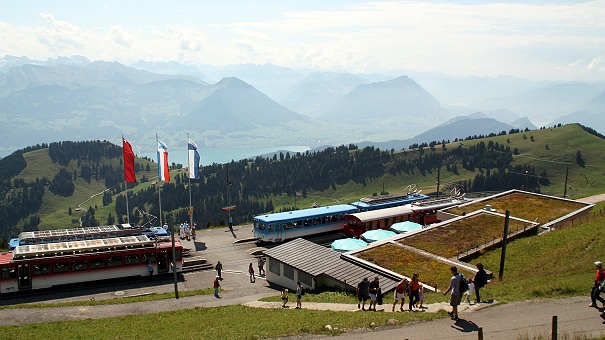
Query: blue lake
(222, 155)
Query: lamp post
(526, 177)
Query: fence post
(554, 327)
(480, 333)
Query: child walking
(470, 292)
(251, 272)
(284, 297)
(421, 295)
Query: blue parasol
(377, 235)
(348, 244)
(404, 227)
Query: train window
(131, 259)
(298, 224)
(148, 256)
(96, 263)
(42, 268)
(114, 261)
(60, 267)
(316, 221)
(270, 229)
(78, 265)
(288, 225)
(308, 222)
(9, 273)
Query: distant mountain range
(72, 98)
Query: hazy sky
(557, 40)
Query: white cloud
(525, 39)
(120, 36)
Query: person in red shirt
(414, 291)
(217, 285)
(400, 290)
(596, 287)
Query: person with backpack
(455, 289)
(300, 291)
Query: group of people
(300, 291)
(478, 281)
(413, 289)
(261, 269)
(371, 290)
(187, 231)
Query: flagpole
(189, 176)
(159, 185)
(127, 209)
(172, 229)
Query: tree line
(248, 184)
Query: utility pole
(565, 188)
(504, 240)
(526, 177)
(438, 180)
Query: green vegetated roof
(525, 206)
(463, 234)
(469, 232)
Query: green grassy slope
(553, 150)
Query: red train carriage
(46, 265)
(422, 212)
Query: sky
(539, 40)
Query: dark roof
(317, 260)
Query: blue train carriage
(283, 226)
(388, 201)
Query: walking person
(362, 292)
(596, 286)
(193, 230)
(479, 281)
(187, 231)
(150, 270)
(469, 292)
(455, 289)
(251, 272)
(414, 291)
(421, 295)
(284, 297)
(399, 294)
(299, 293)
(218, 268)
(216, 285)
(261, 264)
(374, 293)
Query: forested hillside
(69, 184)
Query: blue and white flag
(163, 168)
(194, 160)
